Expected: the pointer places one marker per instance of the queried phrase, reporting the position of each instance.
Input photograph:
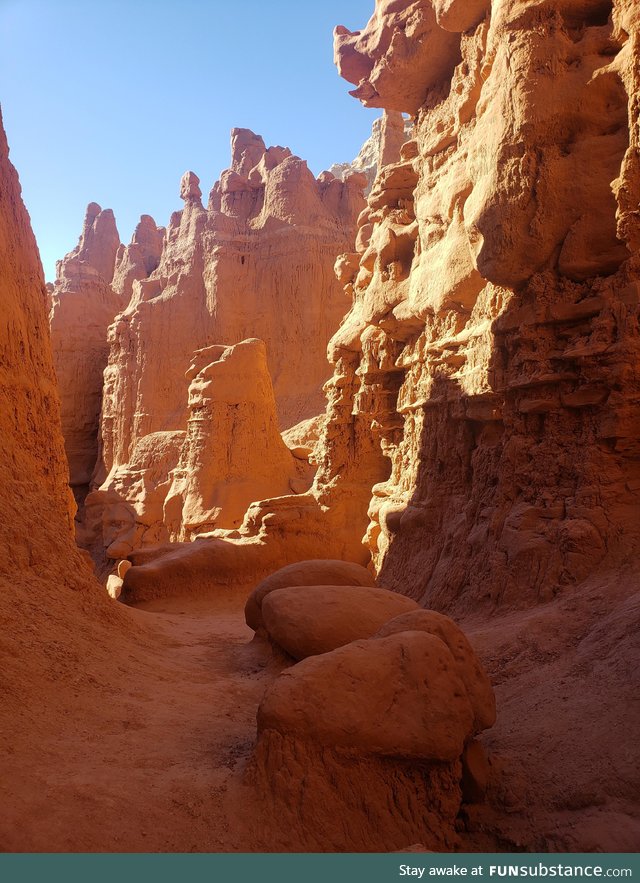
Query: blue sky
(111, 101)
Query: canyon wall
(482, 419)
(34, 475)
(52, 612)
(492, 345)
(256, 263)
(491, 359)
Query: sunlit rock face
(139, 259)
(481, 427)
(388, 134)
(492, 343)
(93, 283)
(83, 305)
(256, 263)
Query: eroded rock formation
(483, 413)
(83, 305)
(388, 133)
(256, 263)
(383, 714)
(483, 407)
(35, 492)
(139, 259)
(493, 337)
(178, 485)
(482, 421)
(233, 452)
(52, 611)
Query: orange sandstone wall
(83, 305)
(258, 262)
(51, 611)
(492, 348)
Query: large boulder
(308, 620)
(313, 572)
(474, 677)
(400, 696)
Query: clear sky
(112, 100)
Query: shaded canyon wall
(55, 620)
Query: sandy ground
(149, 756)
(149, 769)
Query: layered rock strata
(233, 452)
(83, 305)
(258, 262)
(484, 403)
(493, 340)
(482, 418)
(181, 484)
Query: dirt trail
(157, 767)
(146, 751)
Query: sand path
(158, 767)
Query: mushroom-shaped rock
(399, 696)
(472, 674)
(190, 187)
(309, 620)
(314, 572)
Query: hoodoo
(257, 263)
(83, 305)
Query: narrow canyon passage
(152, 767)
(393, 405)
(151, 755)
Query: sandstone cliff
(55, 619)
(493, 337)
(483, 407)
(482, 422)
(481, 433)
(388, 133)
(36, 502)
(83, 305)
(233, 452)
(258, 262)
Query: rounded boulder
(309, 620)
(314, 572)
(474, 677)
(399, 696)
